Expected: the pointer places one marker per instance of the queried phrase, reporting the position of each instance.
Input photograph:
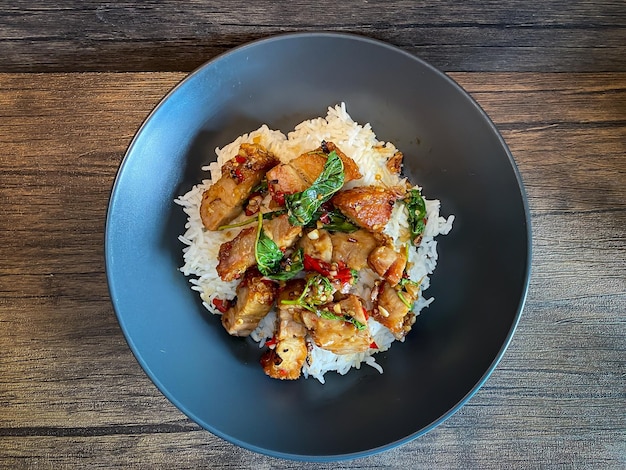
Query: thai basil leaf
(270, 260)
(289, 267)
(417, 213)
(317, 290)
(303, 206)
(267, 253)
(337, 222)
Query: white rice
(358, 142)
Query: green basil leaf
(317, 290)
(417, 213)
(289, 267)
(266, 252)
(303, 206)
(337, 221)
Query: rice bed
(359, 142)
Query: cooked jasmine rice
(358, 142)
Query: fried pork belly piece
(317, 244)
(285, 179)
(237, 255)
(223, 201)
(281, 231)
(392, 312)
(298, 174)
(255, 297)
(368, 206)
(311, 164)
(352, 248)
(285, 361)
(387, 263)
(333, 331)
(394, 164)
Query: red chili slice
(373, 345)
(221, 305)
(279, 198)
(240, 159)
(271, 342)
(343, 273)
(314, 264)
(239, 175)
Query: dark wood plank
(71, 393)
(73, 35)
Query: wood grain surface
(169, 35)
(77, 79)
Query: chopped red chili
(313, 264)
(373, 345)
(271, 342)
(221, 305)
(342, 273)
(239, 175)
(279, 197)
(240, 159)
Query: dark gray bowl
(452, 149)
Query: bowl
(451, 148)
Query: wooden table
(78, 78)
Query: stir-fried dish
(301, 238)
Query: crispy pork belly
(368, 206)
(237, 255)
(309, 165)
(281, 231)
(255, 297)
(298, 174)
(317, 244)
(387, 263)
(352, 248)
(285, 361)
(332, 329)
(350, 168)
(223, 200)
(392, 312)
(285, 179)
